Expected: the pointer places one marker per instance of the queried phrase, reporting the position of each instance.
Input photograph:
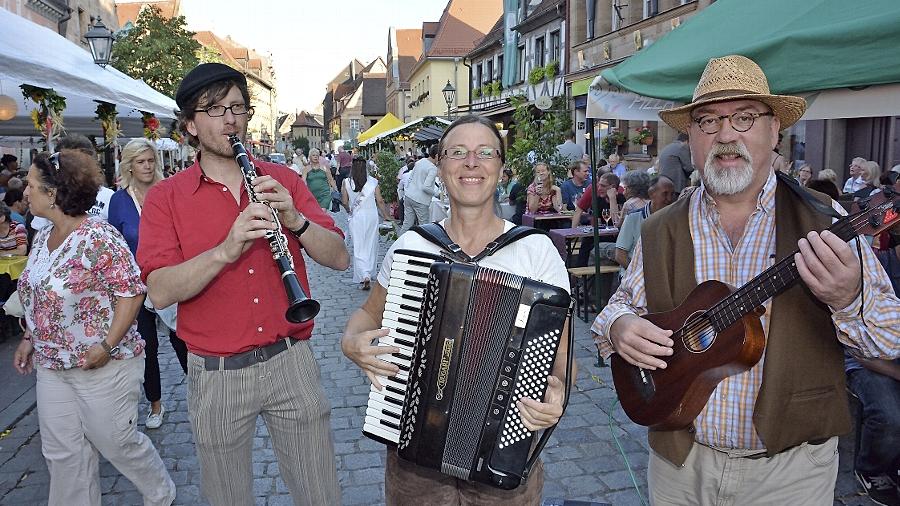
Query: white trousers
(82, 412)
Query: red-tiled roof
(129, 11)
(409, 47)
(463, 24)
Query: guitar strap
(801, 192)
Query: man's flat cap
(202, 76)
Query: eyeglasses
(217, 111)
(482, 152)
(741, 121)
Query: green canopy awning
(803, 46)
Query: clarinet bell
(302, 310)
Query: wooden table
(547, 221)
(13, 265)
(565, 238)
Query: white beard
(727, 181)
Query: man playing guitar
(767, 435)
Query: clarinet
(300, 307)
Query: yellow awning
(388, 122)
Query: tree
(301, 143)
(160, 51)
(537, 138)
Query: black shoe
(879, 487)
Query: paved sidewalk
(582, 460)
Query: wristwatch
(297, 233)
(112, 350)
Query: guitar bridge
(644, 384)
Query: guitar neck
(769, 283)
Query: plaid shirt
(727, 419)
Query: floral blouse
(69, 293)
(545, 204)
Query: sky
(310, 40)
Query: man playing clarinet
(203, 246)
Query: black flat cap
(202, 76)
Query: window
(500, 67)
(618, 14)
(354, 127)
(489, 72)
(651, 8)
(478, 77)
(555, 46)
(521, 64)
(539, 52)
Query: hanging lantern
(8, 108)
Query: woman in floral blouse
(81, 290)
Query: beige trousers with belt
(801, 476)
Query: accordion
(472, 342)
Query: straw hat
(729, 78)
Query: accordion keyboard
(409, 277)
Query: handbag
(13, 306)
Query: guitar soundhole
(698, 334)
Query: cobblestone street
(584, 460)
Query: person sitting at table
(18, 206)
(574, 187)
(606, 189)
(13, 239)
(661, 193)
(543, 195)
(507, 180)
(635, 184)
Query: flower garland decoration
(175, 134)
(106, 113)
(151, 125)
(47, 116)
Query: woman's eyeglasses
(482, 153)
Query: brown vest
(802, 396)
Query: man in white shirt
(419, 192)
(573, 152)
(856, 181)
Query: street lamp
(449, 93)
(101, 40)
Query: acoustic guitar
(717, 332)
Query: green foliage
(551, 70)
(610, 144)
(301, 143)
(388, 168)
(160, 51)
(476, 93)
(536, 75)
(538, 134)
(496, 88)
(209, 55)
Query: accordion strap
(570, 357)
(435, 233)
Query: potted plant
(612, 141)
(476, 92)
(551, 70)
(496, 88)
(644, 136)
(536, 75)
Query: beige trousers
(803, 475)
(82, 412)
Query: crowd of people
(105, 269)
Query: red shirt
(243, 307)
(345, 160)
(585, 204)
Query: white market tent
(35, 55)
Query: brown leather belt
(248, 358)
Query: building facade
(356, 103)
(444, 46)
(404, 47)
(603, 33)
(69, 18)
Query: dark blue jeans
(879, 446)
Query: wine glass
(605, 215)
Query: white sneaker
(155, 420)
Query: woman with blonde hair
(543, 195)
(139, 170)
(318, 179)
(871, 173)
(829, 175)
